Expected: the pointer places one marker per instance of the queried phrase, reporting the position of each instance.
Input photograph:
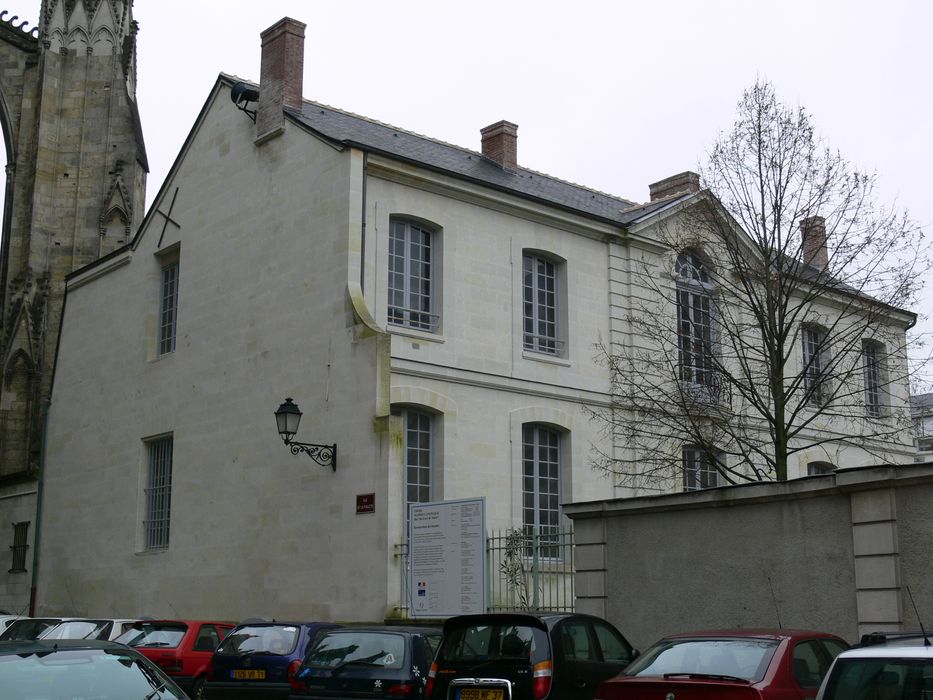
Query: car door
(810, 662)
(587, 652)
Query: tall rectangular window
(168, 308)
(541, 487)
(411, 276)
(871, 367)
(419, 457)
(19, 547)
(694, 320)
(814, 364)
(540, 297)
(699, 467)
(158, 493)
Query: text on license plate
(250, 674)
(481, 694)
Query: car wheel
(197, 691)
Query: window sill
(415, 334)
(544, 357)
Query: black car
(526, 656)
(65, 668)
(257, 660)
(367, 662)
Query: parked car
(181, 648)
(257, 660)
(5, 620)
(526, 656)
(883, 667)
(367, 662)
(28, 628)
(85, 628)
(48, 668)
(729, 665)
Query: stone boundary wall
(835, 553)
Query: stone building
(75, 187)
(433, 310)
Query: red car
(728, 665)
(181, 648)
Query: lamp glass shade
(287, 418)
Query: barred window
(540, 296)
(19, 547)
(412, 276)
(814, 364)
(168, 308)
(872, 353)
(694, 320)
(541, 487)
(700, 469)
(158, 493)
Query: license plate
(250, 674)
(481, 694)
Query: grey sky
(611, 95)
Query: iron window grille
(158, 494)
(168, 308)
(871, 366)
(19, 547)
(541, 489)
(411, 277)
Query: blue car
(257, 660)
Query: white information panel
(447, 558)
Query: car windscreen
(260, 639)
(167, 635)
(496, 640)
(27, 629)
(745, 658)
(82, 673)
(860, 677)
(359, 648)
(76, 629)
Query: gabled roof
(369, 135)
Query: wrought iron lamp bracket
(325, 455)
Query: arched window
(873, 372)
(815, 363)
(817, 468)
(419, 455)
(412, 275)
(694, 320)
(542, 299)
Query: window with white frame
(872, 354)
(694, 320)
(814, 364)
(168, 308)
(418, 431)
(158, 493)
(700, 468)
(541, 488)
(19, 547)
(412, 276)
(541, 299)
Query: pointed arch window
(694, 320)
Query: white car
(79, 628)
(891, 667)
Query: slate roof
(351, 129)
(921, 403)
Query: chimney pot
(281, 74)
(676, 185)
(500, 143)
(813, 241)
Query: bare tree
(774, 321)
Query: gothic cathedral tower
(75, 191)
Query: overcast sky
(613, 95)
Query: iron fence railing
(525, 570)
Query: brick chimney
(281, 74)
(674, 186)
(500, 143)
(813, 241)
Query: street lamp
(287, 418)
